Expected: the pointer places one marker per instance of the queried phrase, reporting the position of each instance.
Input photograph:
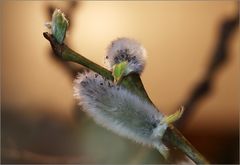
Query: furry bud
(129, 50)
(120, 111)
(58, 25)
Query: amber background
(39, 118)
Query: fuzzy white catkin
(118, 110)
(125, 49)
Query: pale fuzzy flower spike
(118, 110)
(129, 50)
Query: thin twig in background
(70, 9)
(220, 57)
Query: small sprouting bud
(58, 25)
(173, 117)
(118, 71)
(118, 110)
(128, 51)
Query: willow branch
(134, 84)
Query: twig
(220, 57)
(69, 10)
(133, 83)
(65, 53)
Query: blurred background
(193, 60)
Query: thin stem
(67, 54)
(133, 83)
(173, 136)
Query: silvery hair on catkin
(125, 49)
(120, 111)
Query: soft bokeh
(40, 120)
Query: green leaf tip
(59, 25)
(119, 71)
(174, 117)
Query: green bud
(173, 117)
(119, 71)
(59, 25)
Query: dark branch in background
(220, 57)
(71, 7)
(72, 70)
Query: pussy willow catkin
(120, 111)
(129, 50)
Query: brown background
(180, 38)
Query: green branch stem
(134, 84)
